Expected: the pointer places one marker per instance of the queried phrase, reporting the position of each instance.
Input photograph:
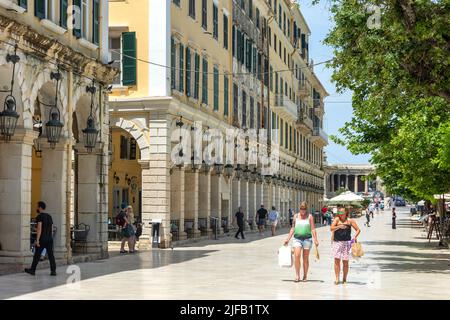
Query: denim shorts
(302, 243)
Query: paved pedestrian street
(398, 264)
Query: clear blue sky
(336, 114)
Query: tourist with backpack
(273, 219)
(127, 229)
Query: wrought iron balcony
(247, 25)
(304, 123)
(285, 107)
(319, 134)
(304, 88)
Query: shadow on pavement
(145, 260)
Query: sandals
(336, 282)
(123, 251)
(297, 280)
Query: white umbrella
(421, 203)
(347, 197)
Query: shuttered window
(188, 72)
(172, 63)
(197, 76)
(216, 89)
(225, 95)
(215, 22)
(95, 22)
(23, 4)
(77, 26)
(225, 32)
(181, 74)
(129, 58)
(39, 9)
(63, 13)
(205, 81)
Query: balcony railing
(285, 106)
(304, 88)
(318, 132)
(247, 25)
(304, 122)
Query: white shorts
(274, 223)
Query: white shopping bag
(285, 257)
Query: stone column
(252, 204)
(259, 198)
(191, 199)
(156, 189)
(244, 197)
(216, 200)
(177, 201)
(332, 183)
(89, 193)
(15, 191)
(346, 181)
(53, 192)
(205, 198)
(236, 198)
(267, 192)
(356, 183)
(366, 184)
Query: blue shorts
(302, 243)
(261, 222)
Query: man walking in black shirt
(240, 222)
(44, 240)
(261, 216)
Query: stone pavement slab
(398, 264)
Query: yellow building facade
(229, 65)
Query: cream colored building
(225, 65)
(57, 63)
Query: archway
(124, 178)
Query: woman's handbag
(357, 250)
(128, 231)
(285, 257)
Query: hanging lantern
(54, 125)
(9, 115)
(254, 175)
(218, 168)
(205, 167)
(228, 170)
(194, 166)
(90, 133)
(238, 172)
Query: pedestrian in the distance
(132, 228)
(273, 219)
(261, 216)
(367, 224)
(240, 222)
(342, 241)
(127, 230)
(291, 216)
(304, 232)
(44, 240)
(394, 217)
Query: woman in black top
(394, 216)
(342, 241)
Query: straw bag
(357, 250)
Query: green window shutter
(95, 22)
(205, 81)
(181, 74)
(23, 3)
(172, 63)
(188, 72)
(76, 32)
(63, 13)
(197, 75)
(129, 58)
(216, 89)
(225, 95)
(39, 9)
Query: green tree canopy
(398, 70)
